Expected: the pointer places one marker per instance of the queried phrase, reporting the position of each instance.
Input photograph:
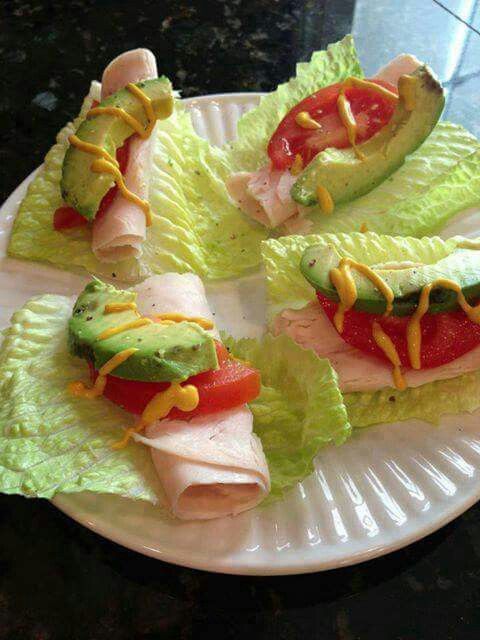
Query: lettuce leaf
(52, 442)
(196, 227)
(428, 402)
(255, 128)
(287, 288)
(300, 407)
(436, 182)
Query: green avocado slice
(405, 279)
(165, 353)
(347, 177)
(84, 189)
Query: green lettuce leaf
(195, 226)
(255, 128)
(299, 410)
(428, 402)
(52, 442)
(436, 182)
(287, 288)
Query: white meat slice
(356, 370)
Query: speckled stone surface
(60, 581)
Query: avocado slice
(84, 189)
(347, 177)
(165, 352)
(406, 280)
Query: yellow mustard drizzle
(325, 200)
(120, 113)
(406, 90)
(388, 348)
(184, 398)
(366, 84)
(297, 166)
(94, 149)
(305, 120)
(79, 389)
(137, 126)
(133, 324)
(342, 280)
(147, 107)
(414, 333)
(179, 317)
(118, 307)
(349, 122)
(345, 111)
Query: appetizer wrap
(167, 413)
(196, 226)
(396, 317)
(336, 151)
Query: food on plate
(341, 142)
(150, 352)
(304, 156)
(196, 225)
(130, 189)
(132, 392)
(398, 318)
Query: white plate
(386, 487)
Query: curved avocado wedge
(83, 189)
(405, 279)
(165, 353)
(347, 177)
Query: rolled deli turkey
(120, 232)
(212, 465)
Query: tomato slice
(445, 336)
(371, 110)
(66, 217)
(233, 384)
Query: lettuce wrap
(52, 442)
(288, 289)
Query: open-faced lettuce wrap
(51, 441)
(288, 289)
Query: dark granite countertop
(58, 580)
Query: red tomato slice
(371, 110)
(233, 384)
(66, 217)
(445, 336)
